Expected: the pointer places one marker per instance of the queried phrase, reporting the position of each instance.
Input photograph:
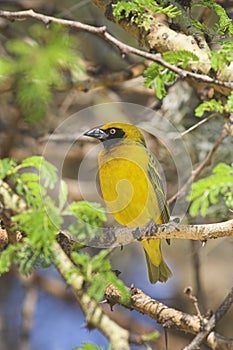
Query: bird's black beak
(97, 134)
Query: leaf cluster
(88, 346)
(209, 190)
(222, 57)
(34, 211)
(89, 217)
(28, 182)
(97, 273)
(215, 106)
(38, 65)
(160, 76)
(141, 12)
(223, 26)
(41, 218)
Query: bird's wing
(158, 187)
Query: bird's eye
(112, 131)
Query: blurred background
(39, 312)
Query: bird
(132, 187)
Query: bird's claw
(173, 224)
(151, 229)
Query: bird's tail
(157, 268)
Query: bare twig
(193, 127)
(124, 49)
(197, 270)
(221, 311)
(193, 298)
(206, 162)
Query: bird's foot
(151, 229)
(173, 224)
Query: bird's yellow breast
(126, 187)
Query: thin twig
(221, 311)
(206, 162)
(193, 298)
(198, 124)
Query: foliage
(29, 181)
(37, 66)
(88, 346)
(224, 25)
(215, 106)
(207, 191)
(98, 274)
(90, 217)
(160, 76)
(221, 58)
(41, 219)
(209, 106)
(135, 11)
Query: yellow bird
(132, 188)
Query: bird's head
(113, 133)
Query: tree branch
(118, 336)
(160, 30)
(167, 316)
(110, 237)
(206, 162)
(220, 312)
(139, 301)
(118, 236)
(160, 37)
(111, 79)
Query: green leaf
(229, 104)
(88, 346)
(90, 217)
(207, 191)
(7, 258)
(180, 58)
(139, 11)
(7, 68)
(222, 57)
(224, 25)
(47, 171)
(160, 76)
(97, 271)
(6, 167)
(98, 285)
(63, 194)
(37, 66)
(209, 106)
(81, 259)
